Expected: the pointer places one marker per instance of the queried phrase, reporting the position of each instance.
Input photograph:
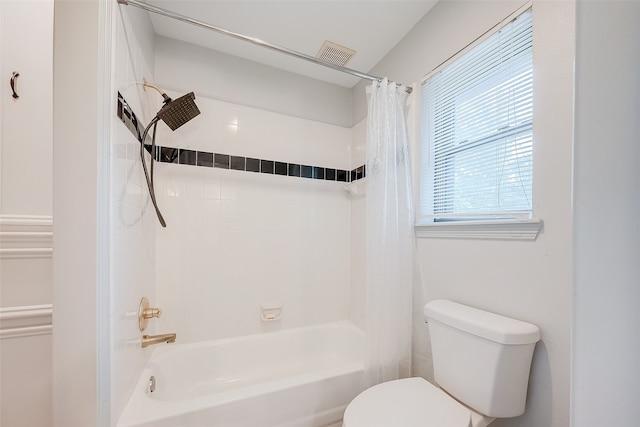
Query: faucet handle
(149, 313)
(146, 312)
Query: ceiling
(371, 28)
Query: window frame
(516, 228)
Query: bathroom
(553, 282)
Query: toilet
(481, 363)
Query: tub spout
(148, 340)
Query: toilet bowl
(481, 360)
(410, 402)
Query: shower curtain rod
(253, 40)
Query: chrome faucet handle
(146, 312)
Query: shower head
(174, 114)
(179, 111)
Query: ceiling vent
(335, 54)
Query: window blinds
(477, 130)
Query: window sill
(485, 230)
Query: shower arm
(254, 41)
(165, 97)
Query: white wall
(133, 222)
(186, 67)
(81, 117)
(236, 239)
(445, 29)
(606, 342)
(26, 47)
(104, 233)
(525, 280)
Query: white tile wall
(235, 240)
(239, 130)
(132, 216)
(358, 143)
(357, 283)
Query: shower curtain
(390, 236)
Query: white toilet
(481, 363)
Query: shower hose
(147, 175)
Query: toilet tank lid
(494, 327)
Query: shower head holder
(165, 98)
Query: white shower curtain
(390, 236)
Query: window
(477, 131)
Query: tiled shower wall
(358, 217)
(132, 221)
(239, 239)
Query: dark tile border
(249, 164)
(294, 170)
(205, 159)
(128, 117)
(252, 165)
(238, 163)
(187, 157)
(306, 171)
(225, 161)
(281, 168)
(220, 160)
(266, 166)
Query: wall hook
(13, 84)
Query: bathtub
(300, 377)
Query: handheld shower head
(174, 113)
(179, 111)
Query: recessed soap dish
(270, 312)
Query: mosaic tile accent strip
(225, 161)
(249, 164)
(128, 117)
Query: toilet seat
(409, 402)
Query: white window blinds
(477, 130)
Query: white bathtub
(300, 377)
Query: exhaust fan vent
(335, 54)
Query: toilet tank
(480, 358)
